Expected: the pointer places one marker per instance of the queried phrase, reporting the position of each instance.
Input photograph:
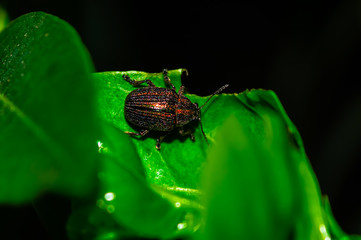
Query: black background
(308, 52)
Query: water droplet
(100, 146)
(177, 204)
(324, 232)
(26, 34)
(109, 196)
(159, 173)
(181, 226)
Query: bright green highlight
(4, 19)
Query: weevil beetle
(154, 108)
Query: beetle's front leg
(141, 133)
(181, 91)
(136, 83)
(167, 79)
(186, 133)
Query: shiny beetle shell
(153, 108)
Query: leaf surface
(47, 119)
(175, 171)
(259, 180)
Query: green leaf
(49, 126)
(249, 189)
(125, 199)
(253, 182)
(335, 230)
(162, 167)
(260, 184)
(264, 187)
(170, 167)
(4, 19)
(174, 171)
(127, 203)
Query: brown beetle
(153, 108)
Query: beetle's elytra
(153, 108)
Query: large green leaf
(127, 198)
(264, 187)
(180, 161)
(248, 183)
(261, 185)
(47, 118)
(126, 205)
(174, 171)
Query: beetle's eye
(196, 105)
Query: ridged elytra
(153, 108)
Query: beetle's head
(198, 111)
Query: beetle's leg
(181, 90)
(188, 132)
(159, 141)
(167, 79)
(136, 83)
(141, 133)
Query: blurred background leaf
(4, 18)
(264, 186)
(48, 121)
(250, 184)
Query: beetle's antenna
(203, 131)
(216, 92)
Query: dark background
(308, 52)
